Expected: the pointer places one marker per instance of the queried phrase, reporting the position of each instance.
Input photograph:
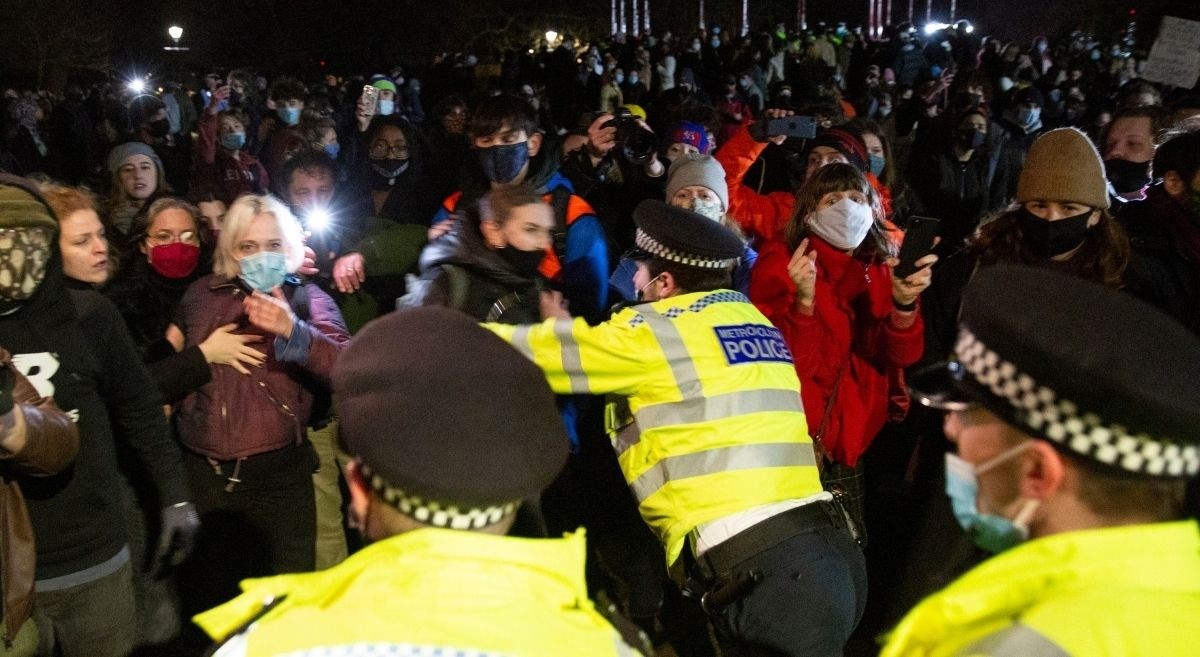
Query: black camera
(637, 143)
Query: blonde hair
(238, 219)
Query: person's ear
(360, 493)
(1094, 218)
(492, 235)
(1043, 472)
(1173, 184)
(271, 104)
(535, 144)
(670, 287)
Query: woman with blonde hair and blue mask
(246, 453)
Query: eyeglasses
(381, 150)
(167, 237)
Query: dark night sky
(352, 35)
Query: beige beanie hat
(1064, 165)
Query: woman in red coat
(827, 284)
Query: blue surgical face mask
(990, 532)
(619, 79)
(289, 115)
(263, 271)
(233, 140)
(333, 149)
(502, 163)
(876, 163)
(386, 107)
(633, 79)
(1028, 116)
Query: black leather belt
(722, 558)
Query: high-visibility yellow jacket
(426, 592)
(715, 395)
(1131, 591)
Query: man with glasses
(1076, 416)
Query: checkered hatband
(655, 248)
(434, 513)
(1047, 414)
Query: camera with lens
(637, 143)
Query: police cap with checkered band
(684, 237)
(1094, 371)
(452, 425)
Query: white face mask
(709, 208)
(844, 224)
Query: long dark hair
(839, 177)
(1103, 257)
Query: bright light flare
(551, 36)
(175, 32)
(137, 85)
(318, 219)
(930, 28)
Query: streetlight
(176, 33)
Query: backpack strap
(460, 285)
(560, 199)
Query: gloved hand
(180, 524)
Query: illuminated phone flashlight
(318, 219)
(137, 85)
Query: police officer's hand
(441, 228)
(906, 290)
(554, 305)
(601, 140)
(349, 272)
(802, 269)
(272, 314)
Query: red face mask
(175, 260)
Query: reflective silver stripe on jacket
(571, 361)
(707, 409)
(1016, 641)
(687, 379)
(722, 459)
(520, 341)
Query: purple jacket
(235, 415)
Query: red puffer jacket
(854, 327)
(237, 415)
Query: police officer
(435, 488)
(1076, 414)
(719, 458)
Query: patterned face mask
(24, 255)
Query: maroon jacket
(237, 415)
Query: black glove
(180, 523)
(7, 381)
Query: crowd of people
(258, 303)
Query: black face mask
(1047, 239)
(525, 262)
(158, 129)
(971, 139)
(1127, 177)
(385, 172)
